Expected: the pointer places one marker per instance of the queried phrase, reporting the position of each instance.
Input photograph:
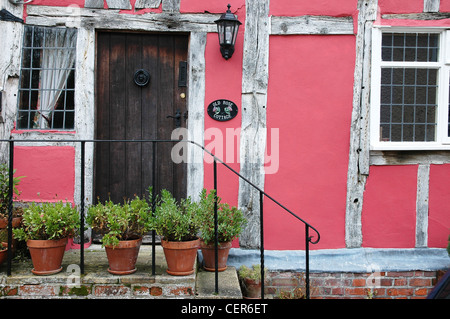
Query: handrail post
(83, 146)
(261, 197)
(153, 205)
(216, 235)
(307, 260)
(10, 204)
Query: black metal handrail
(262, 194)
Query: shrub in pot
(177, 223)
(46, 229)
(122, 227)
(3, 252)
(230, 222)
(4, 198)
(250, 281)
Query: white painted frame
(443, 65)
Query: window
(410, 90)
(47, 79)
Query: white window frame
(443, 65)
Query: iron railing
(308, 239)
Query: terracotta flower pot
(252, 289)
(208, 252)
(180, 256)
(16, 221)
(47, 255)
(122, 259)
(3, 253)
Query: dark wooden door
(127, 111)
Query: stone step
(97, 282)
(228, 284)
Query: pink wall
(310, 101)
(444, 6)
(439, 206)
(389, 208)
(200, 6)
(49, 172)
(223, 81)
(400, 6)
(316, 7)
(58, 3)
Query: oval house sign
(222, 110)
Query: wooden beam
(141, 4)
(358, 166)
(111, 19)
(423, 178)
(196, 122)
(419, 16)
(253, 128)
(431, 5)
(119, 4)
(311, 25)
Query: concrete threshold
(97, 282)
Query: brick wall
(132, 291)
(383, 285)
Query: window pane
(47, 78)
(408, 104)
(410, 47)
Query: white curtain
(58, 57)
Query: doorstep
(97, 282)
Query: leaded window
(410, 85)
(47, 79)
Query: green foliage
(4, 189)
(176, 221)
(230, 220)
(116, 222)
(48, 221)
(253, 273)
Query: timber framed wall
(282, 76)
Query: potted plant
(3, 252)
(122, 227)
(4, 198)
(46, 229)
(230, 222)
(250, 280)
(177, 223)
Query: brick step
(97, 282)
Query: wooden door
(128, 111)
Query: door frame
(85, 108)
(161, 54)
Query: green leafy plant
(4, 190)
(253, 273)
(48, 221)
(176, 221)
(116, 222)
(230, 220)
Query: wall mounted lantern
(227, 27)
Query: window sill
(416, 157)
(409, 146)
(41, 132)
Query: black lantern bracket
(227, 28)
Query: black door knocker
(141, 77)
